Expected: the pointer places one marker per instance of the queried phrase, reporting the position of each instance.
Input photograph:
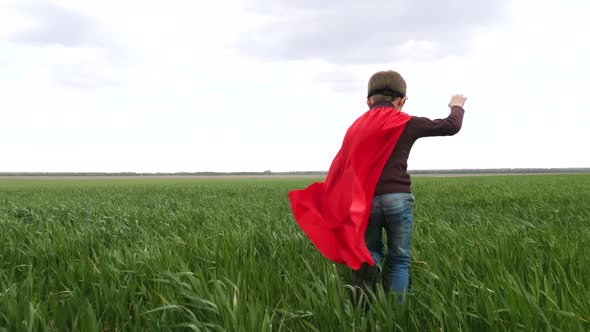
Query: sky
(252, 85)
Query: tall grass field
(498, 253)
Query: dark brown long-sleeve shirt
(395, 178)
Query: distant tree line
(312, 173)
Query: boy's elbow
(455, 129)
(452, 128)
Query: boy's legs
(397, 209)
(366, 276)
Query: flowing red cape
(334, 214)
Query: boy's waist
(384, 188)
(394, 181)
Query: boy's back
(395, 178)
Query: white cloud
(356, 32)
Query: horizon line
(269, 172)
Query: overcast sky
(251, 85)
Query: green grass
(488, 254)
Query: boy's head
(387, 86)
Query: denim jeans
(392, 212)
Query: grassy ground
(489, 254)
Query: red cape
(334, 214)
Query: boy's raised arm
(448, 126)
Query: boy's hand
(457, 100)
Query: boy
(393, 199)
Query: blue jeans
(392, 212)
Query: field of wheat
(499, 253)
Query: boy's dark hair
(386, 86)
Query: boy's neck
(383, 104)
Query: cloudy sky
(251, 85)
